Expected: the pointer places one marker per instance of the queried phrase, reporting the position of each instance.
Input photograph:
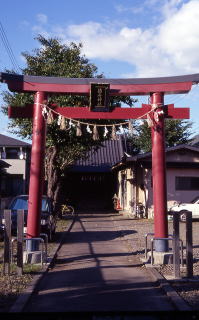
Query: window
(187, 183)
(12, 153)
(12, 185)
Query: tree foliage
(176, 132)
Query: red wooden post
(159, 172)
(36, 168)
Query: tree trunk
(53, 177)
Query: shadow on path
(95, 272)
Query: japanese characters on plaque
(99, 96)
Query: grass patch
(62, 224)
(31, 268)
(27, 268)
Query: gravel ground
(11, 286)
(188, 289)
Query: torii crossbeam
(155, 87)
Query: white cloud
(170, 7)
(169, 48)
(41, 27)
(42, 18)
(120, 8)
(179, 37)
(40, 30)
(135, 10)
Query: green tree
(176, 132)
(53, 58)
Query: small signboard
(99, 96)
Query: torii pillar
(159, 172)
(36, 172)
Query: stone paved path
(96, 272)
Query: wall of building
(180, 195)
(125, 182)
(173, 195)
(17, 166)
(129, 175)
(139, 188)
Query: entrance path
(95, 271)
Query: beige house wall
(119, 186)
(180, 195)
(134, 189)
(129, 194)
(17, 166)
(139, 186)
(139, 181)
(129, 190)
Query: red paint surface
(159, 172)
(117, 113)
(115, 89)
(21, 112)
(36, 168)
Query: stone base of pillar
(159, 258)
(34, 257)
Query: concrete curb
(24, 297)
(178, 302)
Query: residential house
(135, 178)
(15, 155)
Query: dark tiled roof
(6, 141)
(101, 158)
(4, 164)
(195, 141)
(42, 79)
(167, 150)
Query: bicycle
(67, 210)
(140, 211)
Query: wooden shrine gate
(156, 88)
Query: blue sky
(124, 38)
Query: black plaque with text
(99, 97)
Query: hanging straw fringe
(68, 126)
(79, 131)
(121, 129)
(62, 123)
(130, 128)
(105, 131)
(149, 121)
(71, 124)
(88, 129)
(95, 133)
(44, 112)
(50, 117)
(59, 120)
(113, 133)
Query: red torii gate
(155, 87)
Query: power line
(8, 48)
(176, 98)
